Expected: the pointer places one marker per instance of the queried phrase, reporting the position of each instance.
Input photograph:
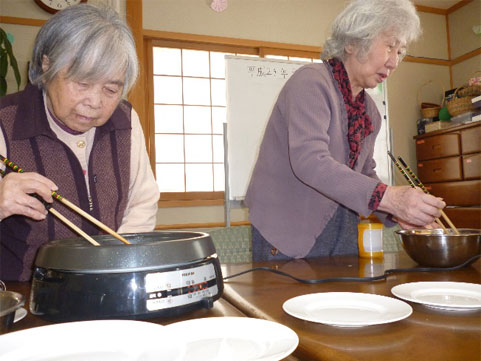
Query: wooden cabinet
(449, 165)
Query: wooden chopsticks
(72, 206)
(73, 226)
(412, 182)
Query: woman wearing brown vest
(71, 131)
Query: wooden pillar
(137, 94)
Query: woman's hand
(405, 225)
(15, 195)
(411, 207)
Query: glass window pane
(218, 120)
(167, 90)
(218, 143)
(169, 148)
(196, 91)
(280, 57)
(219, 178)
(198, 148)
(168, 118)
(195, 63)
(199, 178)
(218, 92)
(217, 64)
(170, 177)
(305, 60)
(167, 61)
(197, 119)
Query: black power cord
(358, 279)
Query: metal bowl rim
(463, 232)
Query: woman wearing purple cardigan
(315, 172)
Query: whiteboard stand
(391, 165)
(226, 179)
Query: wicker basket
(459, 105)
(473, 88)
(429, 110)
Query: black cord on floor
(358, 279)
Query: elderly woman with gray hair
(315, 171)
(71, 131)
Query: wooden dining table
(427, 334)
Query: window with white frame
(189, 112)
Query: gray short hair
(93, 42)
(363, 20)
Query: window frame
(206, 43)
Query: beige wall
(303, 22)
(433, 42)
(465, 70)
(463, 39)
(28, 9)
(23, 9)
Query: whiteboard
(252, 87)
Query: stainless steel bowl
(10, 302)
(434, 248)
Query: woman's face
(81, 105)
(382, 59)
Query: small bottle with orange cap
(370, 237)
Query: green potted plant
(6, 58)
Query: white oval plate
(109, 340)
(347, 309)
(234, 339)
(443, 295)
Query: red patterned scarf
(359, 124)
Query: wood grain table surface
(427, 334)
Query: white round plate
(110, 340)
(234, 339)
(443, 295)
(347, 309)
(20, 314)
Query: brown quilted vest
(34, 147)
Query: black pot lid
(147, 251)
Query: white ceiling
(439, 4)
